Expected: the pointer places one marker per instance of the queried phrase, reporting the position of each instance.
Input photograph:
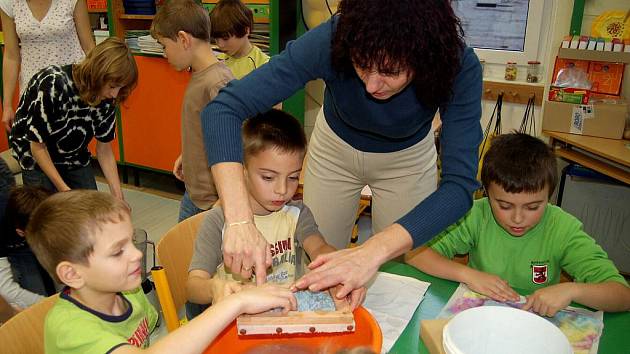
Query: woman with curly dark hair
(389, 66)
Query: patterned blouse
(52, 112)
(51, 41)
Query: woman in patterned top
(39, 33)
(63, 108)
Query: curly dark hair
(422, 36)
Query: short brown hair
(23, 200)
(231, 18)
(63, 227)
(181, 15)
(110, 62)
(273, 129)
(519, 163)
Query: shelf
(136, 17)
(596, 55)
(97, 11)
(514, 92)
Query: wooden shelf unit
(594, 55)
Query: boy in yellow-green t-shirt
(232, 23)
(84, 240)
(515, 239)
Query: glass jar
(510, 71)
(533, 71)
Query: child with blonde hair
(183, 28)
(84, 240)
(63, 108)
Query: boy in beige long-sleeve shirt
(183, 29)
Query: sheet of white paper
(392, 299)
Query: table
(614, 338)
(610, 157)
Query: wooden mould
(341, 320)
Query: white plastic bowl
(498, 330)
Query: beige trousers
(336, 172)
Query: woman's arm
(42, 157)
(10, 68)
(303, 60)
(82, 24)
(106, 159)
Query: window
(501, 30)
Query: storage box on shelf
(601, 118)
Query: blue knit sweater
(363, 122)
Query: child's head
(108, 71)
(519, 174)
(232, 22)
(274, 144)
(21, 203)
(83, 239)
(176, 25)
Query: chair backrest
(24, 332)
(174, 252)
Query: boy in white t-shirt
(274, 145)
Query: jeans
(187, 208)
(193, 310)
(29, 273)
(77, 178)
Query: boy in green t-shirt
(515, 239)
(84, 240)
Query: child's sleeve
(306, 225)
(12, 291)
(40, 104)
(585, 261)
(207, 254)
(458, 238)
(105, 123)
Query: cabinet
(150, 120)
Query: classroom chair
(174, 252)
(24, 332)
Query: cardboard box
(600, 119)
(431, 335)
(606, 77)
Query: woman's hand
(354, 267)
(245, 251)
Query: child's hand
(548, 301)
(490, 285)
(265, 297)
(223, 288)
(355, 298)
(178, 168)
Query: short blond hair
(181, 15)
(63, 226)
(110, 62)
